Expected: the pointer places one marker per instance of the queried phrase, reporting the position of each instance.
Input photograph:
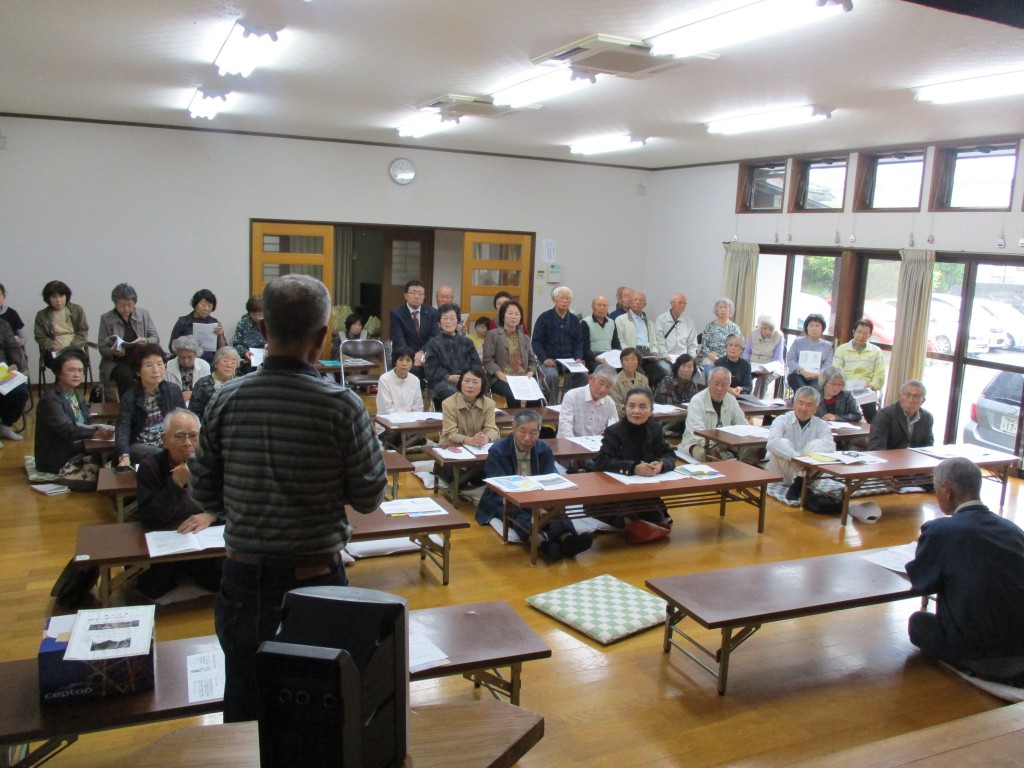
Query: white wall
(168, 211)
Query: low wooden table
(119, 487)
(562, 448)
(603, 496)
(993, 738)
(503, 419)
(104, 411)
(745, 598)
(719, 437)
(477, 638)
(484, 734)
(901, 464)
(123, 545)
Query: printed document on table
(163, 543)
(463, 452)
(746, 430)
(572, 366)
(423, 652)
(205, 335)
(422, 506)
(205, 674)
(967, 450)
(111, 633)
(663, 408)
(837, 426)
(894, 558)
(550, 482)
(810, 361)
(525, 388)
(698, 472)
(641, 480)
(590, 442)
(408, 417)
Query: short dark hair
(631, 351)
(448, 308)
(201, 294)
(352, 320)
(500, 295)
(815, 318)
(682, 360)
(295, 307)
(865, 322)
(484, 321)
(477, 371)
(66, 355)
(123, 292)
(403, 352)
(645, 391)
(254, 304)
(146, 350)
(56, 288)
(412, 284)
(504, 309)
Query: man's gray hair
(559, 289)
(225, 350)
(914, 383)
(526, 415)
(808, 392)
(832, 373)
(960, 473)
(719, 370)
(123, 292)
(179, 412)
(605, 372)
(186, 343)
(295, 308)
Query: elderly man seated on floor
(523, 453)
(588, 410)
(713, 408)
(797, 433)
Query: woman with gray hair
(712, 340)
(225, 366)
(765, 345)
(837, 402)
(186, 368)
(120, 328)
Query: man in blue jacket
(557, 335)
(523, 453)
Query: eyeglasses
(911, 396)
(182, 437)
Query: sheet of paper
(205, 335)
(810, 361)
(837, 426)
(13, 380)
(894, 558)
(205, 674)
(572, 366)
(514, 483)
(556, 407)
(612, 357)
(409, 417)
(525, 388)
(774, 367)
(641, 480)
(111, 633)
(422, 506)
(590, 442)
(256, 356)
(662, 408)
(746, 430)
(699, 472)
(163, 543)
(423, 652)
(456, 453)
(554, 482)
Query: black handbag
(74, 584)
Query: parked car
(986, 328)
(995, 417)
(883, 315)
(943, 328)
(1011, 319)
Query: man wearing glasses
(164, 502)
(904, 424)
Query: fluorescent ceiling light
(972, 89)
(606, 144)
(207, 104)
(751, 22)
(778, 118)
(547, 86)
(248, 46)
(427, 123)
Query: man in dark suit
(973, 561)
(414, 324)
(904, 424)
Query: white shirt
(395, 395)
(676, 337)
(788, 439)
(581, 415)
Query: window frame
(867, 170)
(944, 165)
(799, 182)
(745, 185)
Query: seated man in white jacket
(797, 433)
(588, 410)
(712, 408)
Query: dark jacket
(557, 337)
(740, 370)
(183, 327)
(162, 502)
(403, 334)
(618, 455)
(845, 408)
(132, 417)
(59, 438)
(501, 462)
(889, 429)
(448, 355)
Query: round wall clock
(402, 171)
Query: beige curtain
(740, 281)
(913, 302)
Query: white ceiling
(355, 69)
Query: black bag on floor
(823, 503)
(74, 584)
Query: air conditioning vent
(610, 55)
(466, 106)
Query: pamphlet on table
(111, 633)
(551, 482)
(423, 506)
(163, 543)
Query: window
(761, 187)
(821, 185)
(975, 178)
(890, 182)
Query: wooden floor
(797, 689)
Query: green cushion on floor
(603, 608)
